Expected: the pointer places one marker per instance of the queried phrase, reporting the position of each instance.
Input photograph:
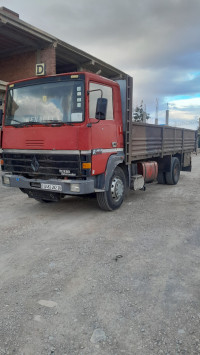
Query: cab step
(137, 182)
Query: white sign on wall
(40, 69)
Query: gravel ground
(77, 280)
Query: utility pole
(167, 115)
(156, 119)
(144, 114)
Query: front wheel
(112, 199)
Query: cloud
(155, 41)
(189, 104)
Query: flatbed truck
(72, 134)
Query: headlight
(74, 187)
(6, 180)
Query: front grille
(45, 166)
(34, 143)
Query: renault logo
(34, 164)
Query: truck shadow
(72, 203)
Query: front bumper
(66, 187)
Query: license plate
(51, 187)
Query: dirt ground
(77, 280)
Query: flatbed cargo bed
(149, 141)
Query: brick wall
(22, 66)
(48, 56)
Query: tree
(140, 114)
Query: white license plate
(51, 187)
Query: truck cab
(60, 133)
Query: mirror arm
(91, 123)
(89, 91)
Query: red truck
(72, 134)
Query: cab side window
(107, 94)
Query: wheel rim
(117, 189)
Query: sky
(155, 41)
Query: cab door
(104, 132)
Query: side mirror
(101, 108)
(1, 117)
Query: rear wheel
(172, 177)
(112, 199)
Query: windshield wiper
(44, 123)
(13, 119)
(25, 124)
(20, 123)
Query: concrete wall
(22, 66)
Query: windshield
(53, 102)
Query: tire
(172, 177)
(112, 199)
(161, 178)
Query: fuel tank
(149, 170)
